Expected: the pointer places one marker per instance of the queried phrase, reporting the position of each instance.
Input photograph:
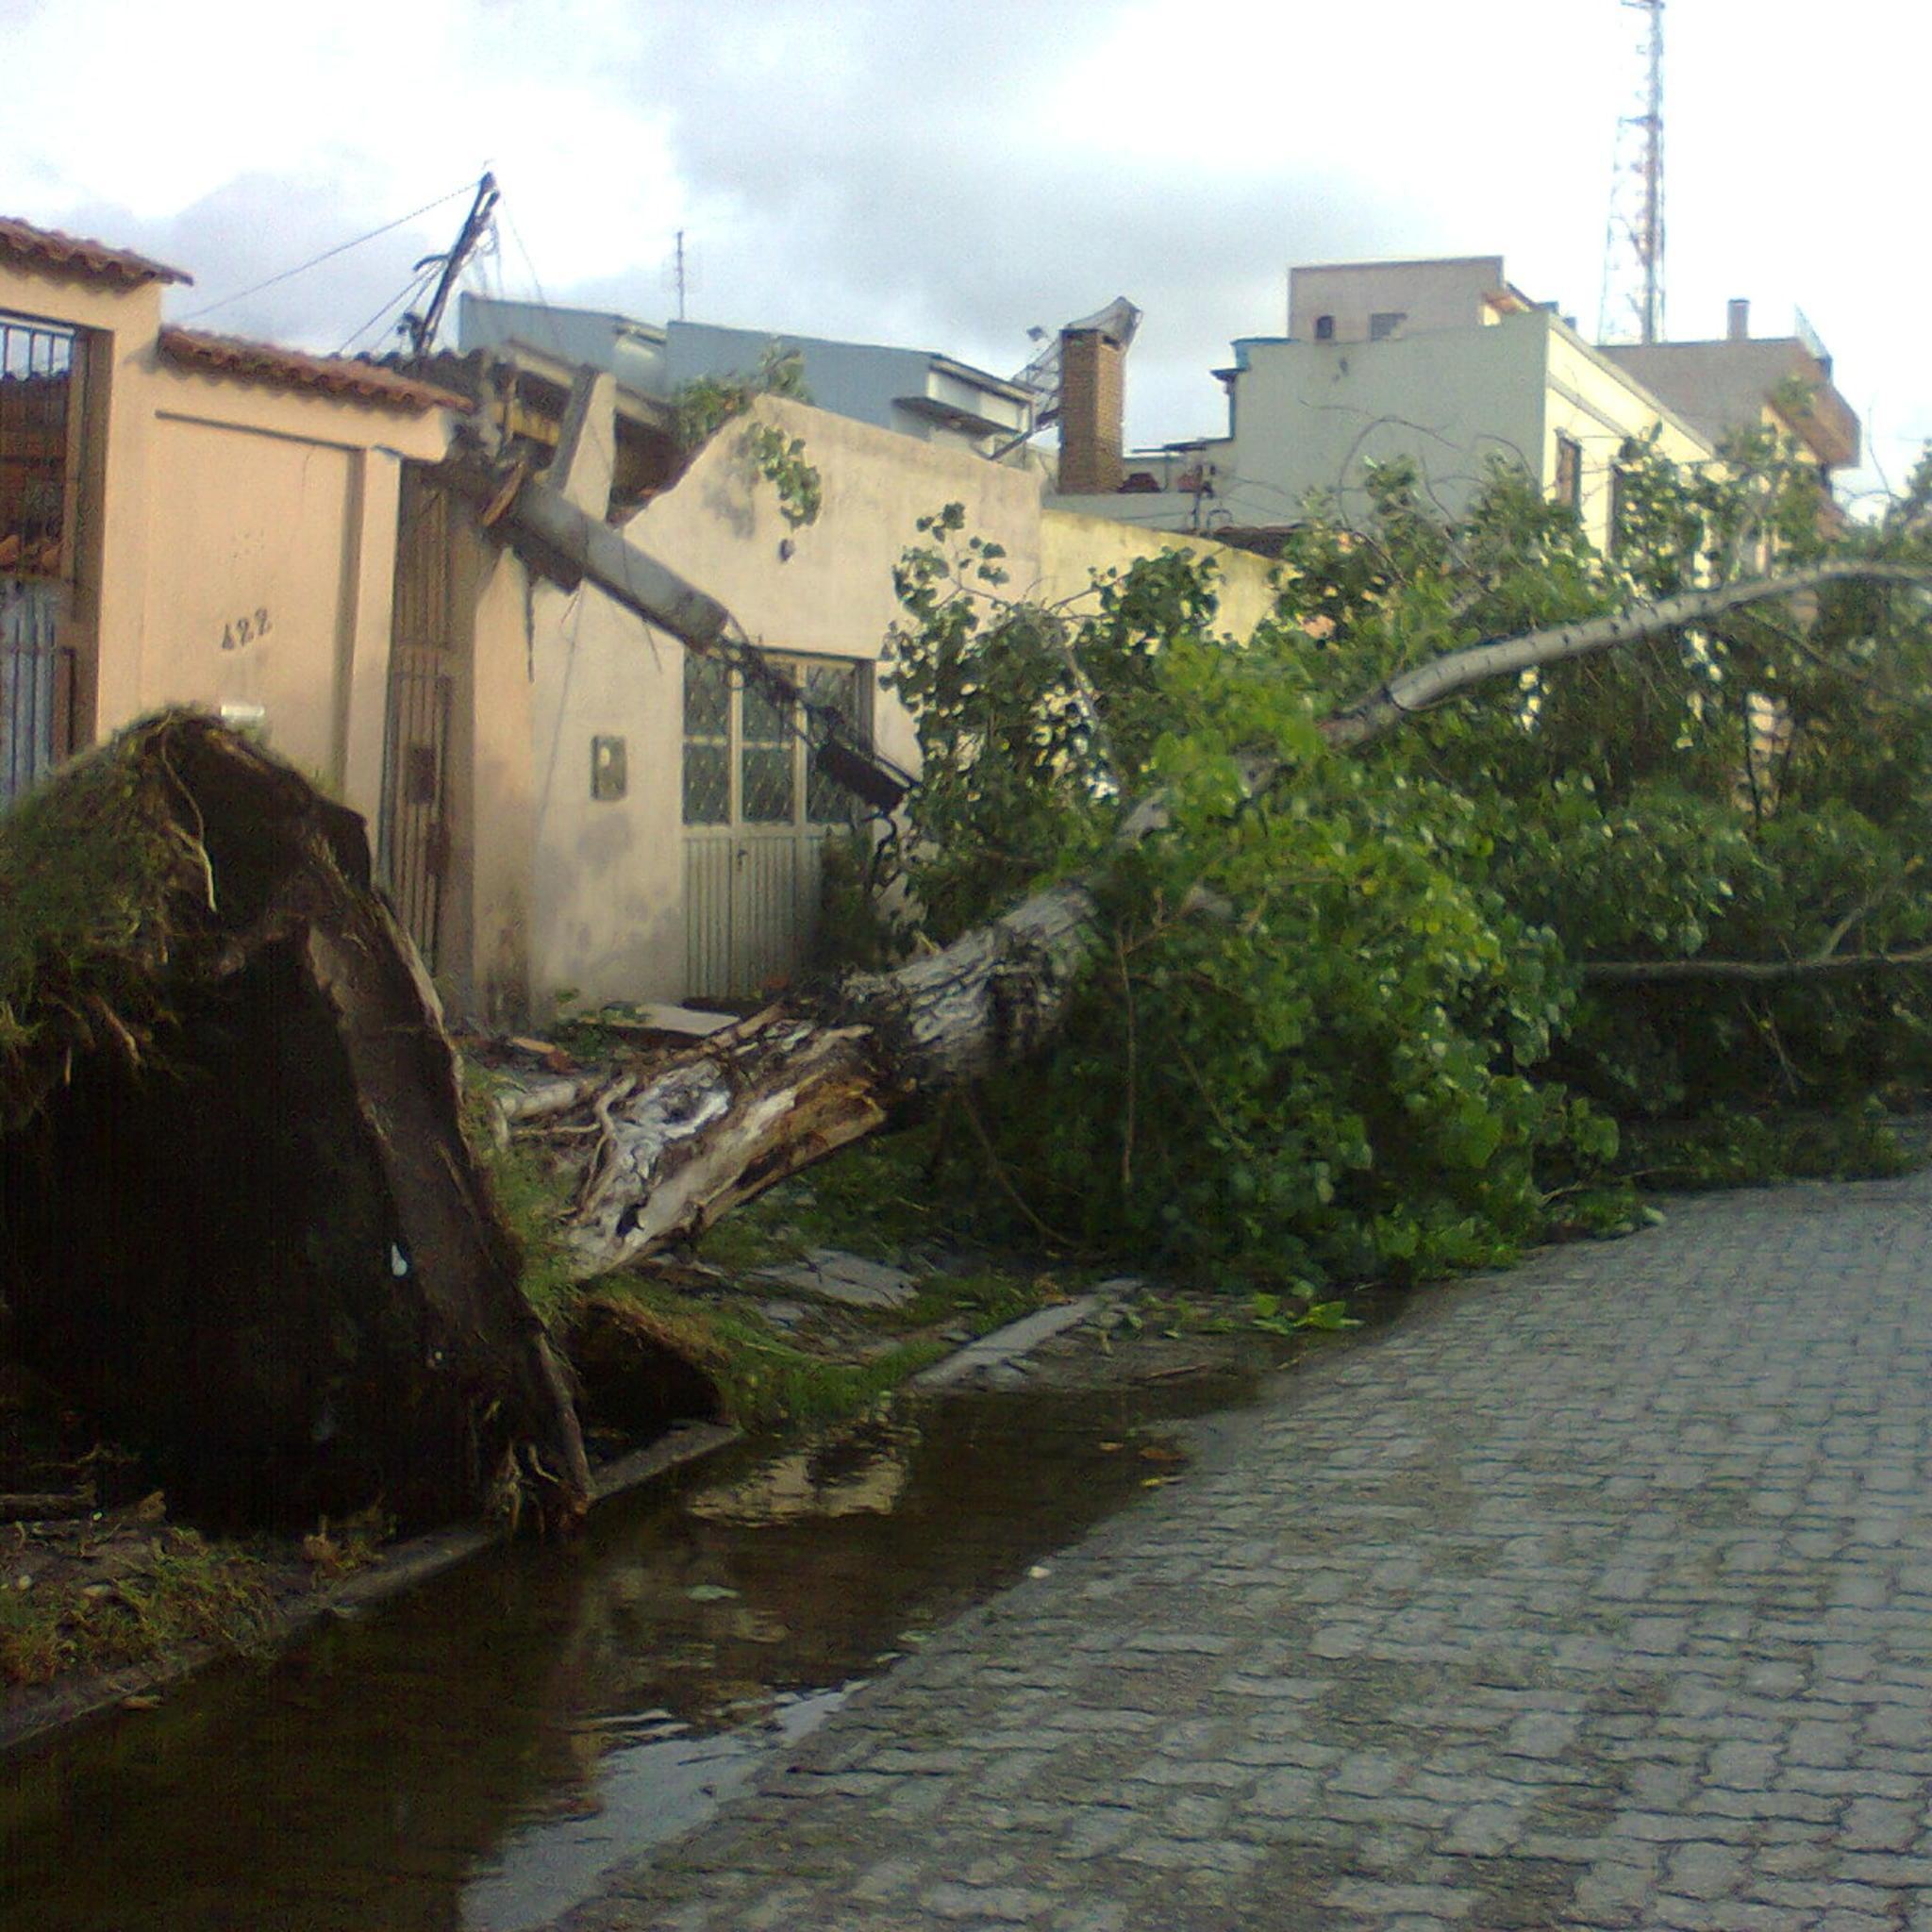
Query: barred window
(707, 741)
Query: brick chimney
(1092, 412)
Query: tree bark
(1389, 703)
(748, 1107)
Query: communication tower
(1633, 292)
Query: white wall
(609, 915)
(1312, 416)
(609, 912)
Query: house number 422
(245, 631)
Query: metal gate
(412, 834)
(756, 819)
(36, 684)
(40, 431)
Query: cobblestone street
(1598, 1595)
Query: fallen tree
(304, 1298)
(674, 1149)
(240, 1223)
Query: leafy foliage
(1338, 1024)
(705, 405)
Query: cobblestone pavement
(1595, 1594)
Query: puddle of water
(473, 1756)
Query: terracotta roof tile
(333, 375)
(76, 255)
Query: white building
(1443, 363)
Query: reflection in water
(646, 1791)
(860, 1469)
(469, 1758)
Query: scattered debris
(995, 1357)
(851, 1280)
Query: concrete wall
(608, 914)
(211, 502)
(1153, 511)
(1312, 416)
(486, 914)
(1073, 547)
(1594, 403)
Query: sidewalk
(1596, 1594)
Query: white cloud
(951, 172)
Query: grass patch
(100, 885)
(980, 1301)
(185, 1591)
(764, 1379)
(872, 1199)
(533, 1202)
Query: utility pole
(421, 329)
(1634, 245)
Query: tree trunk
(777, 1092)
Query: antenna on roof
(1634, 245)
(1118, 322)
(681, 271)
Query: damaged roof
(48, 248)
(344, 377)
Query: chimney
(1092, 412)
(1739, 330)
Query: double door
(756, 815)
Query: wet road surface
(1595, 1594)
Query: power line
(412, 289)
(544, 301)
(422, 329)
(327, 255)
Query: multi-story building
(1446, 364)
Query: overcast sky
(946, 176)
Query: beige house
(188, 519)
(638, 828)
(1742, 382)
(1443, 363)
